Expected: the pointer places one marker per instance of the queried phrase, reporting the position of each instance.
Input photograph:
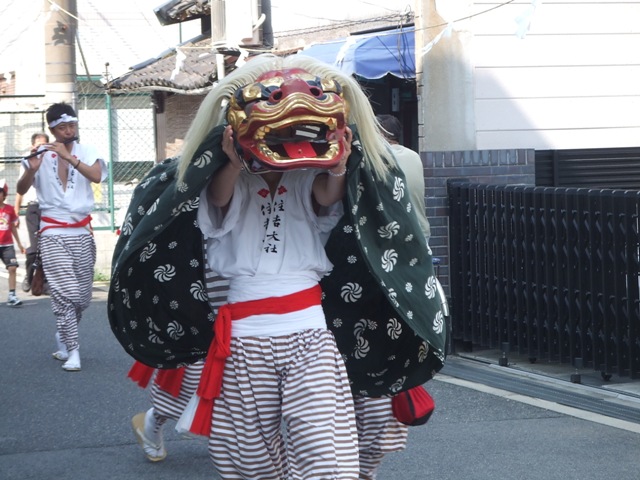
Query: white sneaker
(14, 301)
(154, 451)
(62, 354)
(73, 363)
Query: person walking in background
(9, 232)
(411, 164)
(32, 215)
(171, 389)
(62, 176)
(380, 432)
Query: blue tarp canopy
(372, 55)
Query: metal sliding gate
(553, 272)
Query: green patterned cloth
(380, 299)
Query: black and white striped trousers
(379, 433)
(68, 262)
(166, 405)
(285, 411)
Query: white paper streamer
(523, 21)
(447, 31)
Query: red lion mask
(289, 119)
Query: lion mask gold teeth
(289, 119)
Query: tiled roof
(189, 68)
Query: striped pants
(379, 433)
(285, 412)
(68, 262)
(166, 405)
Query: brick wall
(180, 110)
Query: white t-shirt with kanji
(270, 247)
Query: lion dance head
(288, 112)
(289, 119)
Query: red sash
(59, 224)
(211, 379)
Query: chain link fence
(120, 126)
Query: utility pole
(60, 51)
(444, 82)
(218, 33)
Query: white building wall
(572, 82)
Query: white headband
(64, 118)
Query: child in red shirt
(9, 227)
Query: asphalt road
(57, 425)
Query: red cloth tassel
(170, 380)
(210, 383)
(141, 374)
(201, 424)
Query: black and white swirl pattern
(198, 291)
(397, 385)
(189, 205)
(389, 230)
(438, 322)
(204, 159)
(394, 328)
(430, 287)
(154, 338)
(127, 225)
(389, 260)
(351, 292)
(151, 324)
(361, 349)
(423, 351)
(125, 298)
(164, 273)
(398, 189)
(153, 207)
(360, 327)
(175, 330)
(148, 252)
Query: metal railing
(553, 273)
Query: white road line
(536, 402)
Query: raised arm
(223, 181)
(329, 188)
